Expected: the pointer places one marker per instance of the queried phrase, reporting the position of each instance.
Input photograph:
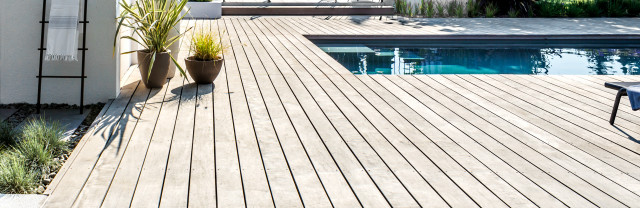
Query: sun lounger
(622, 91)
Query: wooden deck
(286, 125)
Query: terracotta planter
(203, 72)
(159, 71)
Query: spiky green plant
(7, 135)
(151, 21)
(49, 133)
(15, 176)
(460, 10)
(473, 9)
(440, 9)
(513, 13)
(206, 46)
(430, 10)
(451, 8)
(490, 10)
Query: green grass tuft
(15, 176)
(7, 135)
(47, 133)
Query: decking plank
(305, 177)
(489, 101)
(343, 155)
(256, 187)
(229, 187)
(284, 190)
(589, 134)
(122, 187)
(97, 185)
(175, 190)
(74, 154)
(148, 191)
(393, 189)
(333, 179)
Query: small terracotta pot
(158, 76)
(203, 72)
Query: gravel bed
(25, 110)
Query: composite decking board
(629, 115)
(175, 190)
(627, 120)
(283, 189)
(255, 182)
(559, 190)
(441, 157)
(484, 127)
(74, 154)
(202, 191)
(317, 28)
(320, 136)
(74, 179)
(403, 170)
(148, 191)
(333, 179)
(175, 186)
(122, 187)
(360, 179)
(416, 157)
(304, 175)
(604, 95)
(435, 113)
(601, 110)
(584, 159)
(364, 137)
(98, 183)
(497, 105)
(627, 143)
(624, 118)
(229, 187)
(397, 121)
(601, 143)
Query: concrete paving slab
(5, 113)
(21, 200)
(70, 119)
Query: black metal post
(44, 11)
(84, 42)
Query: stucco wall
(20, 38)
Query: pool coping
(475, 37)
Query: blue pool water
(485, 59)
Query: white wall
(20, 38)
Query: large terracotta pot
(203, 72)
(159, 71)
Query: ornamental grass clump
(206, 46)
(15, 176)
(47, 133)
(491, 10)
(7, 135)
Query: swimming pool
(477, 57)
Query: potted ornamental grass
(152, 22)
(206, 61)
